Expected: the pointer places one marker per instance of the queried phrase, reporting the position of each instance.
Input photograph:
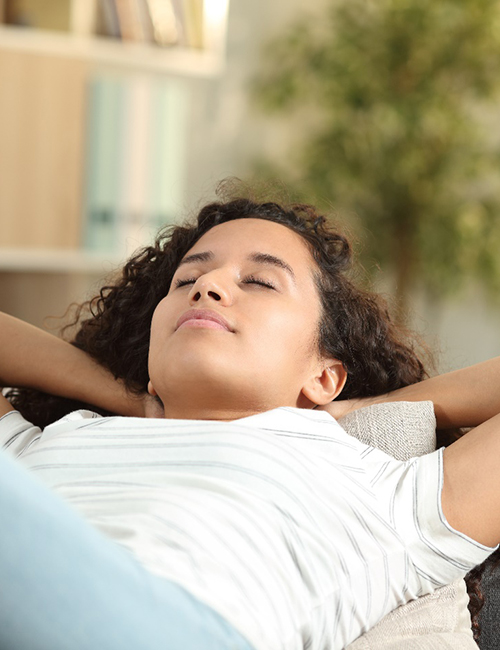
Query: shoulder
(16, 433)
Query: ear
(151, 389)
(326, 384)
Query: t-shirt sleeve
(438, 552)
(17, 434)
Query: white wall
(229, 131)
(462, 330)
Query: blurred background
(118, 116)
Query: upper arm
(471, 486)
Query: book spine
(83, 17)
(193, 22)
(110, 18)
(144, 21)
(135, 167)
(104, 137)
(167, 178)
(164, 22)
(135, 20)
(126, 19)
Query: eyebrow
(272, 260)
(260, 258)
(196, 257)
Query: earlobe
(326, 386)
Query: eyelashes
(249, 279)
(183, 283)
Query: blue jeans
(64, 586)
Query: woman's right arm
(30, 357)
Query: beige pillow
(401, 429)
(439, 621)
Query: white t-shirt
(298, 534)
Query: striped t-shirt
(299, 535)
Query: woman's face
(237, 331)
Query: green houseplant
(405, 101)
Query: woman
(249, 518)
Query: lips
(203, 318)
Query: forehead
(246, 236)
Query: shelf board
(141, 57)
(25, 260)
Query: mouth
(203, 318)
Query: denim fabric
(65, 586)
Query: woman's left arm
(462, 398)
(471, 487)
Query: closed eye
(263, 283)
(183, 283)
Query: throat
(213, 403)
(201, 412)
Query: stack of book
(160, 22)
(135, 161)
(164, 22)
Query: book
(165, 22)
(135, 20)
(49, 14)
(167, 178)
(83, 17)
(109, 25)
(104, 156)
(193, 22)
(127, 20)
(134, 165)
(144, 21)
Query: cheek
(162, 315)
(160, 322)
(289, 333)
(305, 332)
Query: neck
(223, 405)
(209, 413)
(213, 400)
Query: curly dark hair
(355, 326)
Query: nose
(210, 287)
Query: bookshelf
(128, 56)
(26, 260)
(47, 76)
(69, 27)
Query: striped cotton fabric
(298, 534)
